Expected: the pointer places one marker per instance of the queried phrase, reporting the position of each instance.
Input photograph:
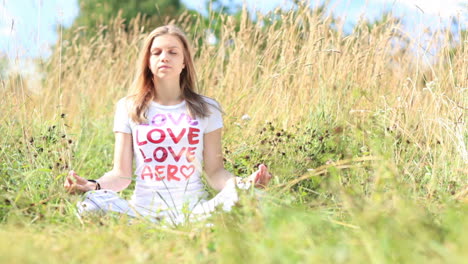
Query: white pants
(103, 201)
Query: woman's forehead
(166, 41)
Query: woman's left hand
(261, 177)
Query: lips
(164, 67)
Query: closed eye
(157, 53)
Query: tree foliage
(100, 12)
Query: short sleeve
(215, 119)
(121, 118)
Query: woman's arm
(121, 174)
(217, 176)
(118, 178)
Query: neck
(168, 92)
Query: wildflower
(246, 117)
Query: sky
(28, 28)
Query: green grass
(356, 211)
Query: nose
(164, 56)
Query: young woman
(172, 133)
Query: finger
(264, 176)
(72, 188)
(79, 180)
(81, 188)
(257, 176)
(260, 183)
(77, 188)
(261, 173)
(69, 187)
(71, 183)
(70, 178)
(68, 182)
(266, 179)
(267, 174)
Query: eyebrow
(171, 47)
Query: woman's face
(166, 57)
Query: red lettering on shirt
(179, 137)
(171, 172)
(187, 171)
(146, 172)
(190, 154)
(140, 143)
(159, 170)
(178, 155)
(192, 135)
(162, 151)
(161, 138)
(145, 159)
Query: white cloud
(442, 8)
(4, 15)
(5, 31)
(6, 21)
(28, 70)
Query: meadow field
(365, 135)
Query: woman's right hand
(76, 184)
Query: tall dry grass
(281, 70)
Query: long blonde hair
(143, 89)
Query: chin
(166, 76)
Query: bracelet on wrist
(98, 186)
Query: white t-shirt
(168, 153)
